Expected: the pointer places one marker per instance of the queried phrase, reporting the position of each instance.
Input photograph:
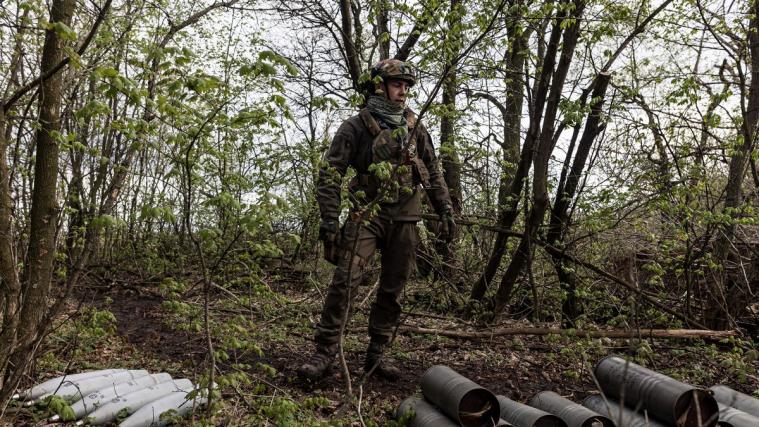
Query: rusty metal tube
(736, 418)
(521, 415)
(575, 415)
(622, 416)
(667, 399)
(736, 399)
(460, 398)
(426, 415)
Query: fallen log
(626, 333)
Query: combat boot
(317, 365)
(378, 365)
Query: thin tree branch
(82, 48)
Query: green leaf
(105, 221)
(63, 31)
(271, 56)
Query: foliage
(59, 406)
(191, 137)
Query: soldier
(383, 134)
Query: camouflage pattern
(354, 146)
(392, 230)
(398, 242)
(394, 69)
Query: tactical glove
(327, 230)
(448, 226)
(328, 234)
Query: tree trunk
(10, 292)
(514, 169)
(542, 156)
(560, 213)
(349, 46)
(510, 210)
(731, 295)
(11, 289)
(383, 31)
(419, 27)
(76, 191)
(448, 156)
(39, 265)
(449, 159)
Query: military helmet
(393, 69)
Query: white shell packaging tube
(133, 401)
(51, 385)
(150, 414)
(75, 390)
(98, 398)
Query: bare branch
(80, 51)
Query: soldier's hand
(328, 230)
(329, 236)
(448, 226)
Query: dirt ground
(515, 366)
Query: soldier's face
(397, 90)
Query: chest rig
(401, 152)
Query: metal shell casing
(736, 399)
(622, 416)
(575, 415)
(426, 414)
(667, 399)
(521, 415)
(463, 400)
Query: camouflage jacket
(361, 141)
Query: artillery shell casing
(736, 399)
(573, 414)
(463, 400)
(732, 417)
(98, 398)
(667, 399)
(622, 416)
(522, 415)
(426, 414)
(52, 384)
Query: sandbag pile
(100, 397)
(632, 396)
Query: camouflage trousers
(397, 243)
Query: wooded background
(601, 154)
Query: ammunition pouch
(406, 176)
(384, 147)
(410, 171)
